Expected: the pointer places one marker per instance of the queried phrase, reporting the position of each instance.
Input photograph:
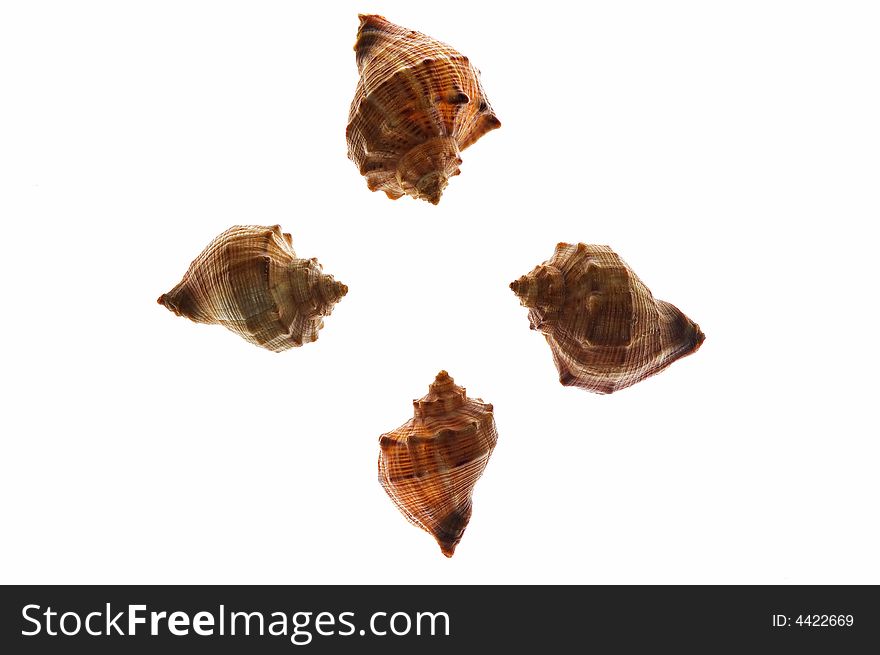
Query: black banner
(325, 619)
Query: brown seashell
(430, 464)
(250, 281)
(605, 329)
(417, 105)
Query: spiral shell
(250, 281)
(430, 464)
(417, 105)
(605, 329)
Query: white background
(729, 152)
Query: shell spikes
(430, 464)
(605, 329)
(250, 281)
(417, 105)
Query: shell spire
(250, 281)
(417, 105)
(604, 327)
(430, 464)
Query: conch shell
(250, 281)
(605, 329)
(430, 464)
(417, 105)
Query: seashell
(430, 464)
(417, 105)
(250, 281)
(605, 329)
